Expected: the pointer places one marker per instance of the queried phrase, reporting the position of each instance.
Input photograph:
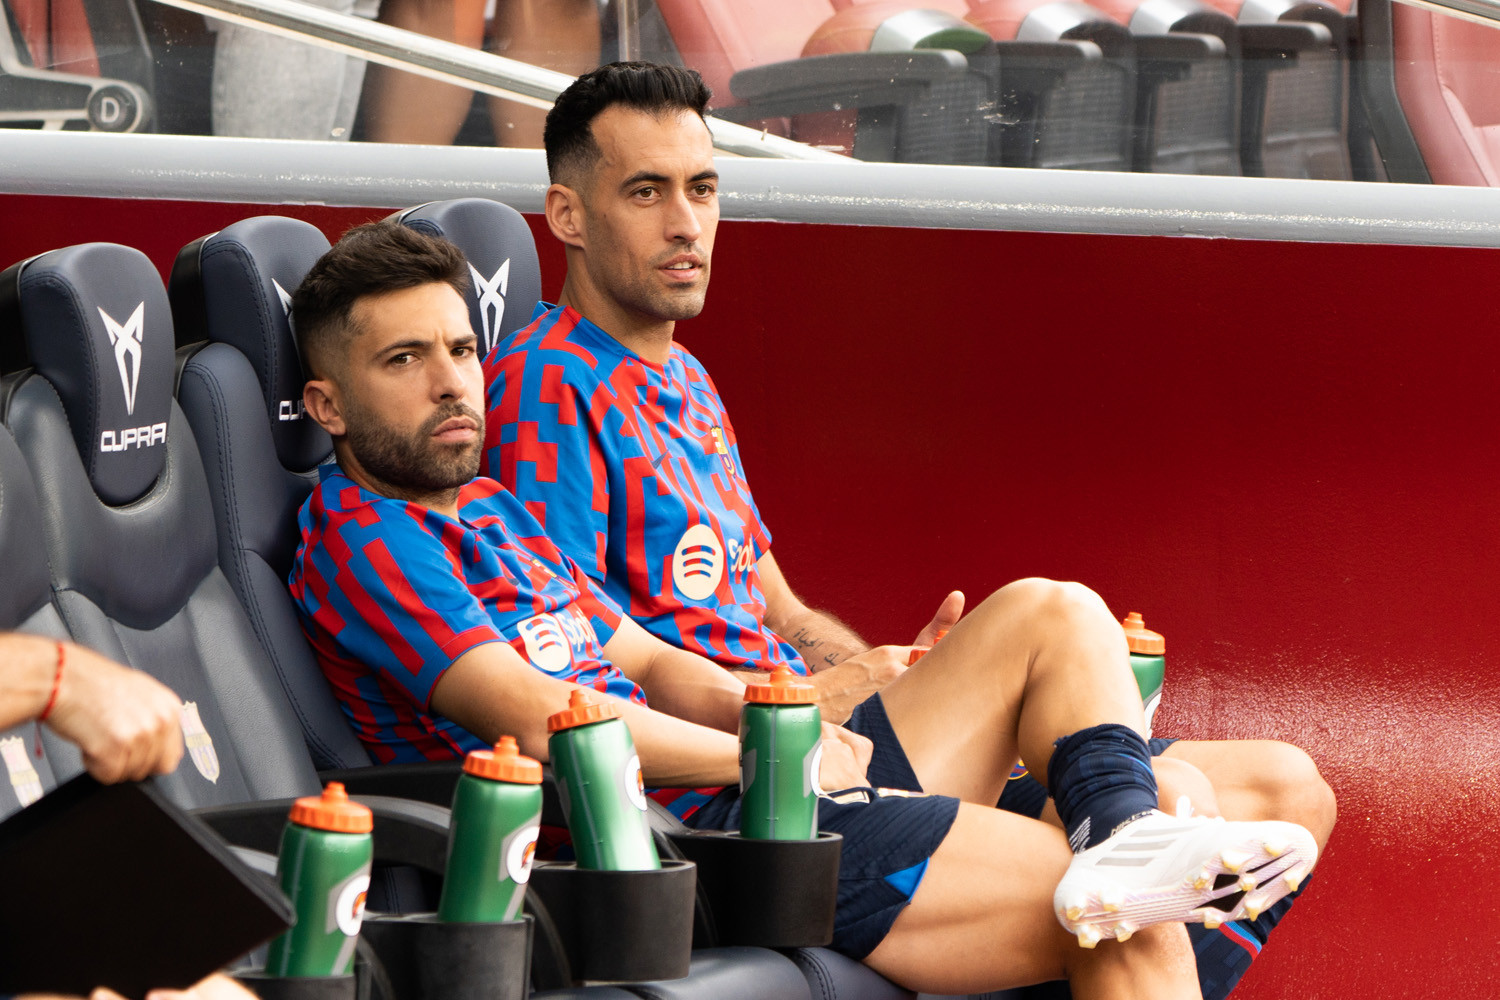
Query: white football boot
(1190, 869)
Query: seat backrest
(1302, 104)
(241, 390)
(503, 264)
(128, 520)
(719, 38)
(25, 606)
(1444, 70)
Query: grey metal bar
(375, 175)
(451, 63)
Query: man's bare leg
(1044, 661)
(982, 920)
(404, 107)
(558, 34)
(1035, 661)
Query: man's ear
(564, 210)
(320, 400)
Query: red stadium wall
(1285, 455)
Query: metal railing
(452, 63)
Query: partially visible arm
(127, 724)
(27, 666)
(821, 639)
(845, 669)
(491, 691)
(675, 681)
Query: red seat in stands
(1445, 80)
(74, 64)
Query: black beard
(415, 467)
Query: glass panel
(1275, 88)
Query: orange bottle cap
(1141, 639)
(784, 688)
(333, 811)
(504, 763)
(582, 709)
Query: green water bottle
(781, 745)
(1148, 660)
(599, 779)
(497, 814)
(324, 868)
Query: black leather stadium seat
(241, 390)
(502, 261)
(125, 512)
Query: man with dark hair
(617, 441)
(445, 617)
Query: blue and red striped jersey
(391, 593)
(633, 470)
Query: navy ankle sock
(1100, 778)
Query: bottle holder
(298, 988)
(766, 893)
(614, 926)
(430, 960)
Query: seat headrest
(502, 261)
(244, 277)
(94, 322)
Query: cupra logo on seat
(491, 293)
(287, 409)
(127, 343)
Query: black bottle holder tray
(298, 988)
(620, 926)
(429, 960)
(766, 893)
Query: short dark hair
(370, 259)
(650, 87)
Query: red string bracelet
(56, 686)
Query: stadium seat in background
(899, 105)
(1445, 82)
(75, 64)
(1187, 118)
(1062, 76)
(1295, 87)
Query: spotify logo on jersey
(547, 646)
(698, 562)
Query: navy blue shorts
(888, 836)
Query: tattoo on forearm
(807, 644)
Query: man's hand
(846, 756)
(842, 687)
(128, 724)
(948, 614)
